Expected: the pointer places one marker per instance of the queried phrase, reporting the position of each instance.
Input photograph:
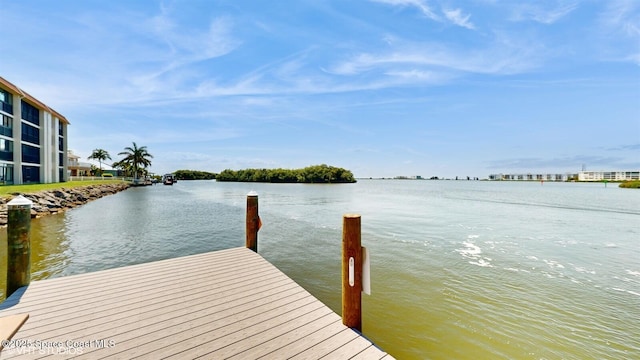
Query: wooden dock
(224, 304)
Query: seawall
(55, 201)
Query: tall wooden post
(253, 221)
(351, 272)
(18, 244)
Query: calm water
(462, 270)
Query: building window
(6, 126)
(61, 175)
(6, 104)
(6, 174)
(6, 150)
(60, 129)
(30, 154)
(30, 174)
(60, 144)
(30, 134)
(30, 113)
(60, 159)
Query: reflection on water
(461, 270)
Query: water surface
(460, 269)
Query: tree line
(310, 174)
(194, 175)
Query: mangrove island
(322, 174)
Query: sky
(380, 87)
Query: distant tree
(311, 174)
(137, 159)
(194, 175)
(100, 155)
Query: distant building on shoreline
(608, 175)
(402, 177)
(33, 139)
(76, 167)
(581, 176)
(533, 177)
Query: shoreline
(48, 202)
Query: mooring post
(253, 221)
(18, 244)
(351, 272)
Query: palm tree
(135, 157)
(100, 155)
(125, 168)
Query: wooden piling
(18, 244)
(351, 272)
(253, 221)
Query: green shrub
(631, 184)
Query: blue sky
(384, 87)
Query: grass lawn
(8, 190)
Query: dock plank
(144, 307)
(287, 338)
(369, 353)
(229, 303)
(327, 346)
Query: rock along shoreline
(59, 200)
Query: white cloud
(623, 17)
(620, 30)
(418, 4)
(416, 75)
(542, 12)
(503, 57)
(457, 17)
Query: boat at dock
(146, 181)
(168, 179)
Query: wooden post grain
(18, 244)
(351, 272)
(253, 221)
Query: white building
(581, 176)
(33, 139)
(532, 177)
(608, 175)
